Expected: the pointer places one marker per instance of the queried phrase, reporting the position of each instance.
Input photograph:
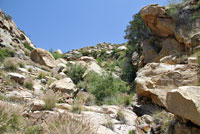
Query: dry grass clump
(28, 84)
(11, 119)
(67, 124)
(50, 98)
(10, 65)
(85, 98)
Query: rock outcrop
(182, 27)
(155, 80)
(42, 57)
(65, 85)
(185, 102)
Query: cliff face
(179, 24)
(10, 35)
(170, 77)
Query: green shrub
(50, 98)
(106, 88)
(9, 65)
(57, 55)
(121, 117)
(28, 84)
(132, 132)
(109, 124)
(27, 46)
(35, 129)
(21, 65)
(41, 75)
(75, 72)
(5, 53)
(76, 108)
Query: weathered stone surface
(17, 77)
(166, 47)
(20, 54)
(37, 105)
(87, 59)
(156, 79)
(65, 85)
(93, 67)
(163, 25)
(185, 102)
(156, 19)
(19, 95)
(42, 57)
(192, 60)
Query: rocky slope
(83, 91)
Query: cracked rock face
(156, 79)
(42, 57)
(185, 102)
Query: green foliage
(76, 73)
(121, 117)
(55, 54)
(21, 64)
(27, 46)
(106, 88)
(128, 72)
(132, 132)
(5, 53)
(41, 75)
(35, 129)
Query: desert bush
(67, 124)
(28, 84)
(33, 129)
(75, 72)
(131, 132)
(10, 65)
(109, 124)
(5, 53)
(27, 46)
(77, 107)
(50, 98)
(41, 75)
(21, 64)
(121, 117)
(85, 98)
(11, 119)
(55, 54)
(106, 88)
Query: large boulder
(17, 77)
(156, 19)
(156, 79)
(42, 57)
(65, 85)
(185, 102)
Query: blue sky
(72, 24)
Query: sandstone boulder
(65, 85)
(93, 67)
(185, 102)
(156, 19)
(17, 77)
(156, 79)
(42, 57)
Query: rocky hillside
(95, 90)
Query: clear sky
(72, 24)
